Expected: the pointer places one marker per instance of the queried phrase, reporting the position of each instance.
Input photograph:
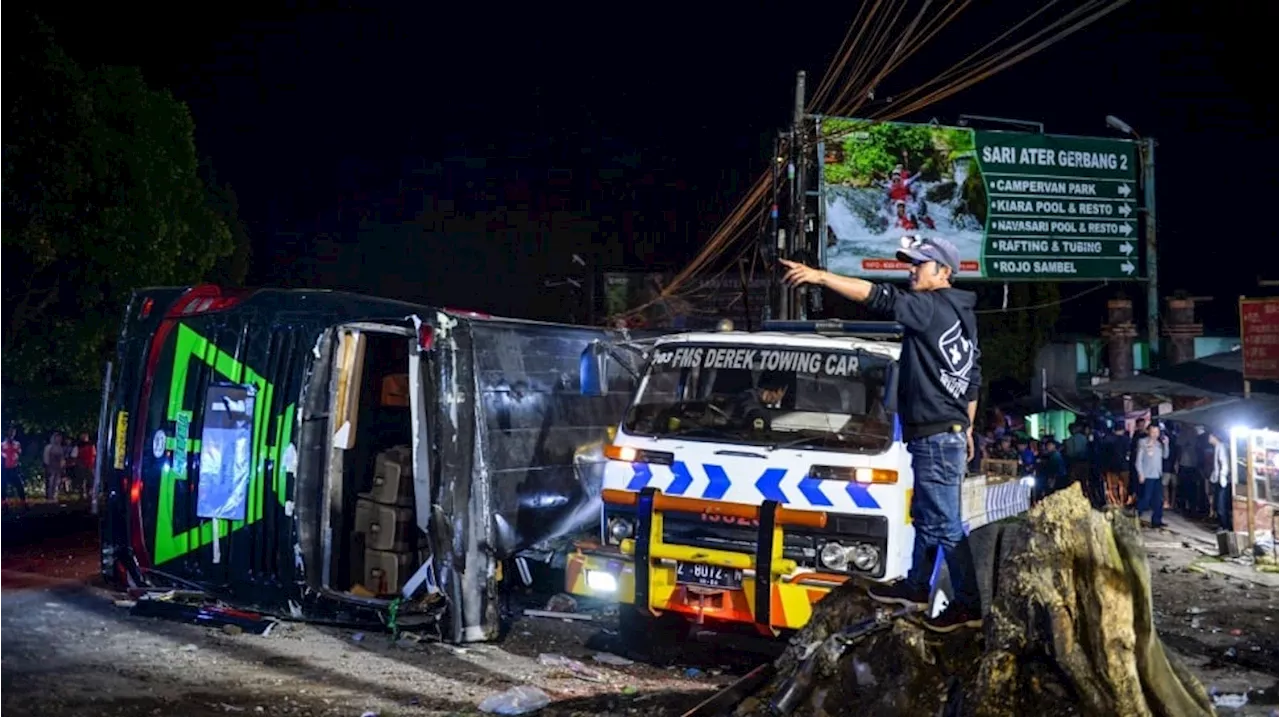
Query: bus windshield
(775, 396)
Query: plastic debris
(575, 668)
(630, 690)
(608, 658)
(519, 700)
(189, 647)
(558, 615)
(358, 637)
(863, 674)
(693, 673)
(1233, 701)
(561, 603)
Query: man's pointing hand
(798, 273)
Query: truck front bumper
(772, 594)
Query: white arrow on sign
(1126, 248)
(1127, 268)
(1125, 210)
(1123, 189)
(1126, 229)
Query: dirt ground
(68, 649)
(1223, 627)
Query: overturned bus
(336, 457)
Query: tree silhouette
(101, 196)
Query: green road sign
(999, 247)
(1059, 268)
(1017, 205)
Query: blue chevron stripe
(642, 476)
(717, 482)
(861, 496)
(683, 479)
(770, 484)
(811, 489)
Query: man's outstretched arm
(914, 311)
(846, 286)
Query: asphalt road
(42, 522)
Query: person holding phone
(1149, 457)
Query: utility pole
(1148, 149)
(1147, 156)
(795, 298)
(772, 244)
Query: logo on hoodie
(958, 357)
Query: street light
(1120, 126)
(1147, 157)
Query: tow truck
(755, 472)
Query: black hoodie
(939, 369)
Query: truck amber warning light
(854, 475)
(627, 454)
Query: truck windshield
(775, 396)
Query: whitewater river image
(865, 225)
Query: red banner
(1259, 331)
(895, 265)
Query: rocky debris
(1070, 632)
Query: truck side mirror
(593, 370)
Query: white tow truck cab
(753, 473)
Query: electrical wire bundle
(868, 54)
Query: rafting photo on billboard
(883, 181)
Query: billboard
(1018, 206)
(1259, 330)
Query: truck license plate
(708, 576)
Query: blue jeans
(1224, 506)
(1152, 498)
(938, 462)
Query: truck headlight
(619, 529)
(834, 556)
(860, 556)
(602, 582)
(864, 556)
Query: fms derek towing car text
(755, 472)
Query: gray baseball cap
(917, 249)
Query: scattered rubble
(1070, 631)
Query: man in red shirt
(11, 451)
(85, 455)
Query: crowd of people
(66, 466)
(1148, 469)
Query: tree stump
(1069, 632)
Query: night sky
(297, 107)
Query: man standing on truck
(937, 402)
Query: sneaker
(899, 593)
(953, 618)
